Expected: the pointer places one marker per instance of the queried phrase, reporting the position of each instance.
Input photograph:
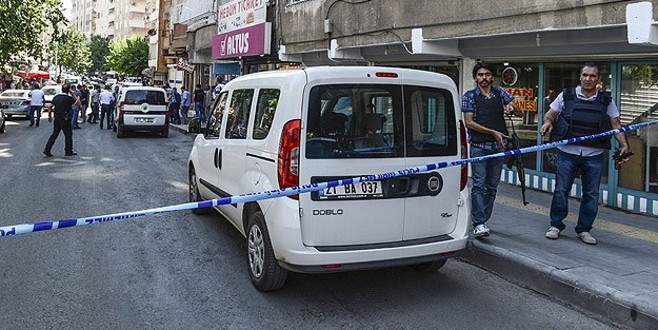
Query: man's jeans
(485, 177)
(198, 108)
(567, 166)
(106, 113)
(183, 113)
(35, 113)
(74, 116)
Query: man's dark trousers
(106, 112)
(35, 113)
(65, 126)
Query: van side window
(430, 123)
(266, 107)
(238, 114)
(215, 120)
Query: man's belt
(491, 145)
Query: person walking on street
(106, 99)
(37, 100)
(185, 105)
(174, 105)
(198, 98)
(84, 102)
(484, 108)
(208, 100)
(575, 112)
(95, 104)
(63, 104)
(75, 93)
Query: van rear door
(346, 135)
(431, 135)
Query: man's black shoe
(47, 154)
(71, 154)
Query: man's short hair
(480, 65)
(66, 88)
(591, 65)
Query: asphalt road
(186, 271)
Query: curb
(608, 303)
(179, 129)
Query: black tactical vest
(488, 113)
(583, 117)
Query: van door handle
(215, 158)
(219, 159)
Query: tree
(72, 51)
(128, 56)
(23, 23)
(99, 48)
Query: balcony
(137, 23)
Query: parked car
(2, 121)
(49, 93)
(141, 109)
(15, 102)
(279, 129)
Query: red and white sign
(237, 14)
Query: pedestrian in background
(37, 100)
(198, 100)
(174, 106)
(484, 108)
(63, 108)
(95, 104)
(84, 102)
(595, 112)
(106, 100)
(185, 104)
(75, 93)
(207, 102)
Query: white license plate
(143, 120)
(353, 191)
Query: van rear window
(145, 96)
(354, 121)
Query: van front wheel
(430, 267)
(264, 271)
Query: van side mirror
(194, 126)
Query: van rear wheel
(194, 194)
(429, 267)
(264, 271)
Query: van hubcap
(256, 249)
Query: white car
(281, 129)
(49, 92)
(141, 109)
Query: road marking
(599, 223)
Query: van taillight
(288, 165)
(464, 149)
(386, 74)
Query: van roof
(142, 88)
(359, 73)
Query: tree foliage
(23, 24)
(128, 56)
(99, 48)
(72, 51)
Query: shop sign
(183, 65)
(524, 98)
(250, 41)
(237, 14)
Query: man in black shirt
(197, 99)
(63, 104)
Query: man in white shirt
(36, 104)
(106, 101)
(577, 112)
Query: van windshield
(354, 121)
(140, 96)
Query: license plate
(353, 191)
(143, 120)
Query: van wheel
(429, 267)
(120, 132)
(264, 271)
(165, 132)
(194, 194)
(2, 128)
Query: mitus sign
(249, 41)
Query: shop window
(639, 94)
(557, 77)
(522, 81)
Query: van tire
(120, 132)
(2, 128)
(272, 276)
(429, 267)
(165, 132)
(194, 194)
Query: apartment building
(109, 18)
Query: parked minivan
(141, 108)
(281, 129)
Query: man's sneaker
(71, 154)
(587, 238)
(552, 233)
(481, 231)
(47, 154)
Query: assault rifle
(515, 143)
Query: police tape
(252, 197)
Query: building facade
(109, 18)
(538, 48)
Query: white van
(141, 108)
(280, 129)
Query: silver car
(15, 102)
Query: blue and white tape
(252, 197)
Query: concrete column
(466, 69)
